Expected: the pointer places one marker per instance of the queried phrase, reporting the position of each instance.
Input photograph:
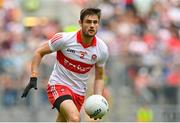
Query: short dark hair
(90, 11)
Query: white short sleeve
(57, 42)
(104, 54)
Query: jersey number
(82, 54)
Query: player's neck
(86, 39)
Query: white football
(96, 106)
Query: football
(96, 106)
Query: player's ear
(80, 22)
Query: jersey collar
(79, 40)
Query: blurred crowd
(142, 35)
(19, 38)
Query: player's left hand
(32, 84)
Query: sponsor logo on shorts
(62, 90)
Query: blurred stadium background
(143, 72)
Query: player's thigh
(69, 110)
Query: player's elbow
(38, 52)
(43, 50)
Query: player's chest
(79, 53)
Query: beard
(87, 34)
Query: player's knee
(60, 118)
(74, 118)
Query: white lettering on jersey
(73, 65)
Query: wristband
(34, 74)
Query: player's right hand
(95, 118)
(32, 84)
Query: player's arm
(38, 55)
(100, 70)
(54, 44)
(99, 80)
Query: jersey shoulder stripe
(56, 37)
